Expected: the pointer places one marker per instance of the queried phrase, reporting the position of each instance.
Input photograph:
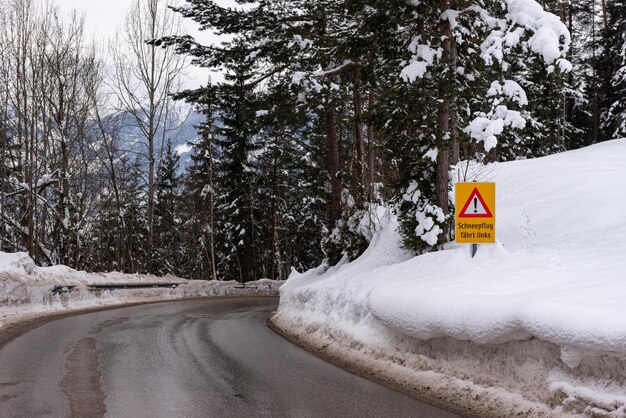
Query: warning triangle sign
(475, 207)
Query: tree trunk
(152, 86)
(252, 247)
(145, 78)
(358, 129)
(209, 138)
(273, 223)
(371, 139)
(605, 17)
(3, 174)
(445, 118)
(594, 87)
(455, 155)
(333, 162)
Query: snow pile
(16, 264)
(26, 289)
(540, 313)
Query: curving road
(208, 358)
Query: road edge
(466, 399)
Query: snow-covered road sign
(475, 220)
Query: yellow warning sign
(475, 220)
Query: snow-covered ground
(27, 290)
(532, 325)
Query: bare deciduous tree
(144, 79)
(47, 73)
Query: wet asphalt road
(208, 358)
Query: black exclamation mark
(475, 205)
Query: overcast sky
(104, 17)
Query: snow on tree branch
(523, 25)
(486, 128)
(550, 38)
(423, 57)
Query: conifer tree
(236, 175)
(119, 231)
(167, 251)
(470, 52)
(135, 221)
(294, 213)
(200, 190)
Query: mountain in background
(183, 121)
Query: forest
(330, 113)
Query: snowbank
(540, 313)
(26, 289)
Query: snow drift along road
(541, 312)
(27, 290)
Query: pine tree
(200, 190)
(106, 246)
(119, 231)
(266, 43)
(476, 66)
(135, 221)
(236, 176)
(295, 216)
(167, 250)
